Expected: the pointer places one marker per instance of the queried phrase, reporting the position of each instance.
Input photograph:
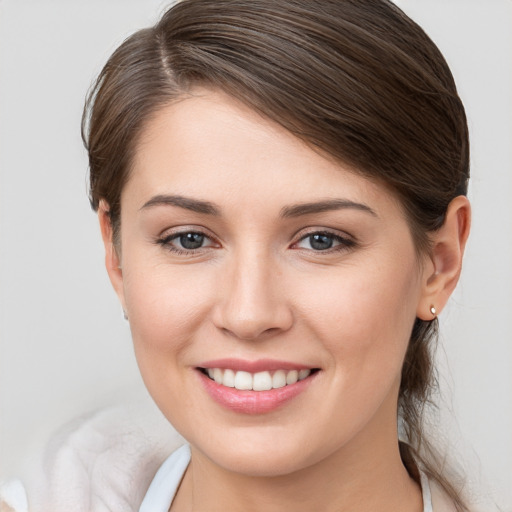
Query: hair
(355, 79)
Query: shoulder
(103, 461)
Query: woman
(281, 192)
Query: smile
(260, 381)
(256, 387)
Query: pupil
(191, 240)
(320, 242)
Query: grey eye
(321, 242)
(186, 242)
(191, 240)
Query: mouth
(258, 381)
(256, 387)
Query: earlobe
(443, 271)
(112, 258)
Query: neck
(384, 488)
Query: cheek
(364, 317)
(166, 306)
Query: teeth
(229, 378)
(218, 375)
(243, 380)
(303, 374)
(261, 381)
(292, 377)
(279, 379)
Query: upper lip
(259, 365)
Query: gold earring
(433, 311)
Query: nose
(253, 303)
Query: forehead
(210, 145)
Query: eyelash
(165, 242)
(343, 243)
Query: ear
(442, 270)
(112, 256)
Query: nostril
(251, 335)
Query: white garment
(101, 462)
(163, 488)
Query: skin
(258, 289)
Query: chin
(260, 463)
(269, 454)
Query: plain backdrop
(64, 347)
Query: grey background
(64, 347)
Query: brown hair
(356, 79)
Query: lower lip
(253, 402)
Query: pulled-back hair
(355, 79)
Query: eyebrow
(324, 206)
(195, 205)
(297, 210)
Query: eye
(186, 242)
(323, 241)
(191, 240)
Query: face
(250, 260)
